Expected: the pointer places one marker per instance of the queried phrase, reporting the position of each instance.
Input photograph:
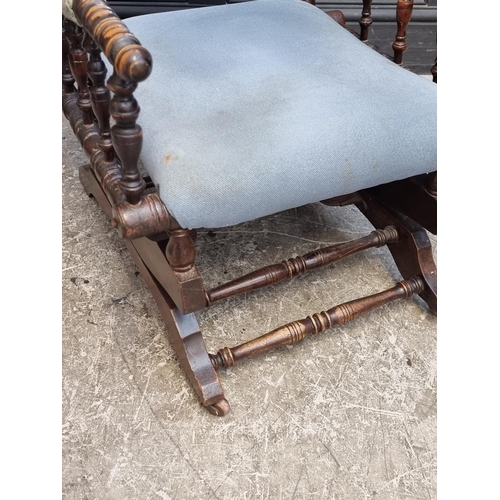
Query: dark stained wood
(412, 253)
(411, 197)
(77, 58)
(316, 323)
(292, 267)
(183, 329)
(68, 80)
(127, 136)
(404, 10)
(187, 341)
(366, 20)
(180, 251)
(100, 97)
(432, 183)
(131, 61)
(421, 37)
(149, 212)
(434, 71)
(148, 217)
(338, 16)
(165, 253)
(185, 289)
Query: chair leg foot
(220, 408)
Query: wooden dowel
(320, 322)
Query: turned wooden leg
(181, 251)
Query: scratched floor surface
(349, 414)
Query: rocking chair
(249, 109)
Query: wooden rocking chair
(247, 110)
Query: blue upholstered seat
(258, 107)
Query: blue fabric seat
(262, 106)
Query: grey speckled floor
(350, 414)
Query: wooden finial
(131, 61)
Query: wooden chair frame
(401, 212)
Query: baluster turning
(320, 322)
(77, 58)
(366, 20)
(404, 10)
(127, 136)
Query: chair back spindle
(126, 135)
(100, 97)
(366, 20)
(68, 80)
(404, 10)
(77, 58)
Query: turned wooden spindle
(287, 269)
(320, 322)
(77, 58)
(434, 71)
(132, 63)
(127, 136)
(100, 97)
(366, 20)
(404, 10)
(68, 80)
(180, 251)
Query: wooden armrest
(130, 60)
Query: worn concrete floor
(349, 414)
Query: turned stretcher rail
(292, 267)
(316, 323)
